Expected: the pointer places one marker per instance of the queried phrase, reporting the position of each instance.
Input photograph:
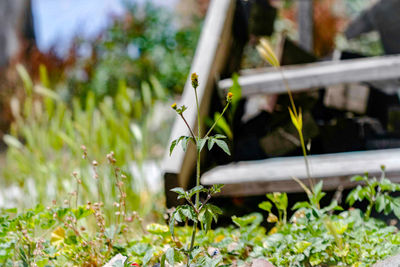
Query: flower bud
(195, 80)
(229, 97)
(173, 106)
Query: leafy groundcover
(69, 235)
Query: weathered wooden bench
(257, 177)
(248, 178)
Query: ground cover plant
(68, 233)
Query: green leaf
(380, 203)
(170, 256)
(186, 211)
(146, 94)
(219, 136)
(200, 143)
(215, 211)
(172, 224)
(185, 142)
(181, 193)
(358, 178)
(195, 190)
(265, 205)
(254, 218)
(178, 190)
(211, 143)
(301, 246)
(216, 188)
(157, 229)
(147, 257)
(176, 141)
(299, 205)
(222, 144)
(173, 145)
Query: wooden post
(305, 22)
(212, 53)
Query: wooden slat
(253, 177)
(316, 75)
(305, 22)
(211, 54)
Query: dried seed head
(95, 163)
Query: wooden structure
(317, 75)
(213, 55)
(210, 58)
(257, 177)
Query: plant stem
(190, 129)
(197, 177)
(303, 147)
(369, 209)
(215, 123)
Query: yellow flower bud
(173, 106)
(195, 80)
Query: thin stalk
(303, 147)
(190, 129)
(369, 209)
(197, 201)
(77, 194)
(215, 123)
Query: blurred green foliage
(146, 43)
(44, 144)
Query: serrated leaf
(185, 142)
(222, 144)
(176, 142)
(211, 143)
(147, 257)
(172, 225)
(178, 190)
(200, 143)
(170, 256)
(219, 136)
(196, 189)
(216, 188)
(188, 212)
(171, 148)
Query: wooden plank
(278, 172)
(211, 54)
(305, 22)
(291, 186)
(316, 75)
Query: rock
(117, 260)
(261, 263)
(389, 262)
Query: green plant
(197, 211)
(280, 201)
(377, 193)
(146, 43)
(266, 52)
(44, 145)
